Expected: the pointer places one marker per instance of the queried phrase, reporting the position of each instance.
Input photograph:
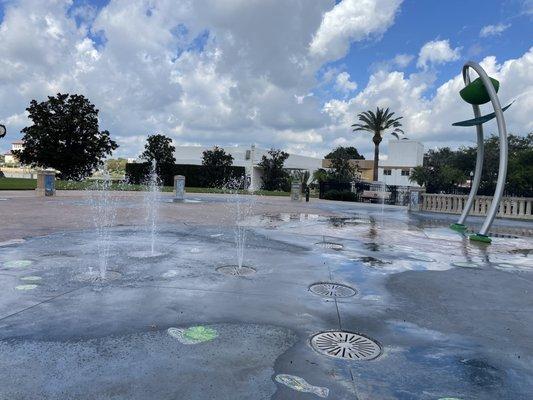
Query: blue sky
(458, 21)
(287, 74)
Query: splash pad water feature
(483, 90)
(166, 334)
(152, 200)
(104, 212)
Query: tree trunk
(376, 161)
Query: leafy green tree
(439, 172)
(320, 175)
(342, 169)
(217, 163)
(159, 148)
(517, 183)
(445, 170)
(352, 152)
(378, 124)
(275, 177)
(65, 136)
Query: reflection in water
(373, 231)
(372, 261)
(481, 373)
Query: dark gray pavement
(445, 331)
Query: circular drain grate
(330, 245)
(236, 271)
(345, 345)
(330, 289)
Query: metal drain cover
(345, 345)
(330, 289)
(234, 270)
(330, 245)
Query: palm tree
(378, 123)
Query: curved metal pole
(502, 168)
(479, 158)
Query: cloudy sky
(290, 74)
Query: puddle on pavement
(301, 385)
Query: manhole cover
(234, 270)
(329, 289)
(330, 245)
(345, 345)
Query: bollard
(307, 194)
(179, 188)
(415, 198)
(46, 182)
(296, 191)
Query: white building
(247, 157)
(403, 156)
(9, 158)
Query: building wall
(247, 157)
(395, 177)
(9, 158)
(17, 146)
(403, 155)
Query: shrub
(342, 195)
(195, 175)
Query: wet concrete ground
(454, 318)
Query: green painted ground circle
(18, 263)
(26, 287)
(31, 278)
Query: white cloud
(527, 7)
(153, 74)
(300, 99)
(350, 21)
(493, 30)
(437, 52)
(192, 70)
(398, 62)
(344, 84)
(429, 119)
(403, 60)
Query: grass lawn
(17, 184)
(31, 184)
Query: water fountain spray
(151, 203)
(241, 206)
(104, 212)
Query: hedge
(342, 195)
(195, 175)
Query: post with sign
(46, 182)
(179, 188)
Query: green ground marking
(18, 263)
(25, 287)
